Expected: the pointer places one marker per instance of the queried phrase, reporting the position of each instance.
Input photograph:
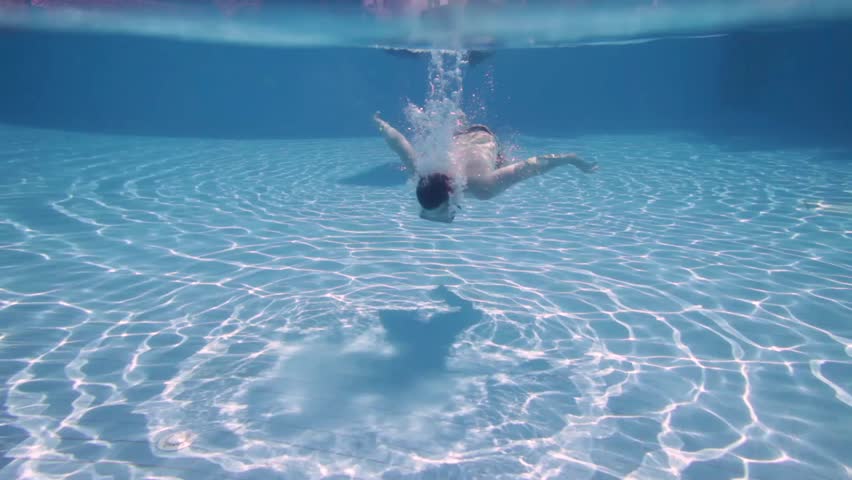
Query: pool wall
(795, 84)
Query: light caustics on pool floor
(275, 309)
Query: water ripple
(680, 314)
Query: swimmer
(476, 151)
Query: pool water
(201, 308)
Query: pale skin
(484, 179)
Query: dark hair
(433, 190)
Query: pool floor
(182, 308)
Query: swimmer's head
(433, 193)
(433, 190)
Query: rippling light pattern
(531, 26)
(256, 309)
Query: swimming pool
(271, 306)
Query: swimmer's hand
(383, 125)
(571, 159)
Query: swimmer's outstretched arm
(489, 186)
(397, 142)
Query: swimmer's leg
(485, 187)
(584, 166)
(397, 142)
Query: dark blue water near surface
(785, 85)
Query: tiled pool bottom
(175, 308)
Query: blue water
(211, 265)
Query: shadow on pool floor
(326, 385)
(385, 175)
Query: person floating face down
(475, 151)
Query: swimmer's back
(475, 148)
